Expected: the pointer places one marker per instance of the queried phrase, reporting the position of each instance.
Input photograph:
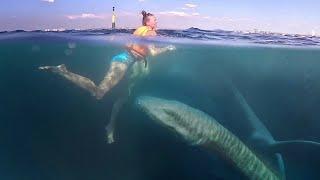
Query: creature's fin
(283, 146)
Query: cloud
(191, 5)
(49, 1)
(174, 13)
(179, 13)
(85, 16)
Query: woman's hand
(155, 51)
(171, 48)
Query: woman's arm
(155, 51)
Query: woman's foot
(60, 68)
(109, 134)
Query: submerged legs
(115, 73)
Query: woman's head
(149, 20)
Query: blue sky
(290, 16)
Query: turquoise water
(52, 129)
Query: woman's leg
(115, 73)
(114, 114)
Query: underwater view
(217, 105)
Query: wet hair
(145, 17)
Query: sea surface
(50, 129)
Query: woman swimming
(134, 56)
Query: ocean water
(52, 129)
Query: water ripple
(204, 35)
